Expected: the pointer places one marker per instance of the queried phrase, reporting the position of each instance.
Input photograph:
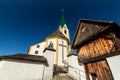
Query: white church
(61, 43)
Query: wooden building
(95, 41)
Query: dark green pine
(62, 23)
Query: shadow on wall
(78, 72)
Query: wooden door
(99, 71)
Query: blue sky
(26, 22)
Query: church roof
(25, 57)
(71, 53)
(62, 23)
(57, 33)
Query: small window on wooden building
(36, 52)
(38, 46)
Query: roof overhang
(108, 23)
(99, 58)
(24, 58)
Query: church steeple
(62, 22)
(63, 27)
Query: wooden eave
(99, 58)
(75, 36)
(71, 55)
(108, 25)
(75, 46)
(24, 57)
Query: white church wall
(114, 64)
(13, 70)
(54, 41)
(35, 48)
(74, 69)
(48, 71)
(60, 51)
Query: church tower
(61, 43)
(63, 27)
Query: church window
(36, 52)
(65, 32)
(38, 46)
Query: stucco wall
(54, 41)
(40, 49)
(59, 50)
(49, 67)
(65, 51)
(75, 70)
(11, 70)
(114, 64)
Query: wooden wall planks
(96, 48)
(101, 69)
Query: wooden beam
(99, 58)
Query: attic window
(36, 52)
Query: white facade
(74, 69)
(62, 52)
(13, 70)
(60, 39)
(57, 37)
(40, 49)
(59, 50)
(48, 74)
(114, 64)
(57, 42)
(54, 41)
